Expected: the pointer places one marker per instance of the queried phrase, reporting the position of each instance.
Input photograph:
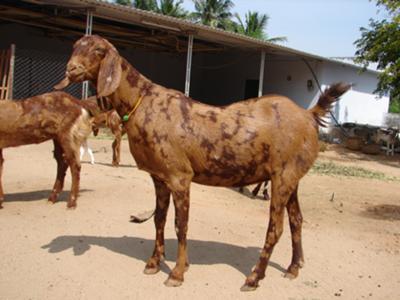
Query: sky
(323, 27)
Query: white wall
(288, 77)
(359, 105)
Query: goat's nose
(71, 67)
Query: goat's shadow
(38, 195)
(247, 193)
(111, 165)
(200, 252)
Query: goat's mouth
(76, 76)
(69, 78)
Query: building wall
(359, 105)
(288, 77)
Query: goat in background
(57, 116)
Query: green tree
(172, 8)
(214, 13)
(124, 2)
(380, 43)
(165, 7)
(145, 4)
(255, 26)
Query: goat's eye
(100, 51)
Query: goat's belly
(235, 177)
(18, 139)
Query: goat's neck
(133, 87)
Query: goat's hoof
(71, 206)
(52, 199)
(290, 275)
(248, 288)
(293, 271)
(172, 282)
(151, 270)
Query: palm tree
(214, 13)
(145, 4)
(170, 8)
(124, 2)
(254, 26)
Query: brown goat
(112, 120)
(178, 140)
(57, 116)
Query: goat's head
(94, 59)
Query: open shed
(210, 65)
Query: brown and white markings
(178, 140)
(57, 116)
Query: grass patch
(329, 168)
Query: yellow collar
(125, 118)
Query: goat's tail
(325, 101)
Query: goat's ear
(110, 73)
(62, 84)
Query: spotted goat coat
(179, 140)
(57, 116)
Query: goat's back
(40, 118)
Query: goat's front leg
(295, 221)
(181, 202)
(1, 175)
(162, 204)
(62, 167)
(280, 196)
(116, 147)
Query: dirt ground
(351, 243)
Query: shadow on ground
(200, 252)
(383, 212)
(38, 195)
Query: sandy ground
(351, 244)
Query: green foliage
(214, 13)
(146, 4)
(124, 2)
(170, 8)
(254, 26)
(166, 7)
(380, 43)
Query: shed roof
(181, 28)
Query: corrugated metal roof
(144, 18)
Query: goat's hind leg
(71, 156)
(62, 167)
(280, 197)
(295, 221)
(1, 174)
(162, 204)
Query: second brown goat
(53, 116)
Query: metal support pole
(11, 72)
(189, 65)
(261, 79)
(89, 26)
